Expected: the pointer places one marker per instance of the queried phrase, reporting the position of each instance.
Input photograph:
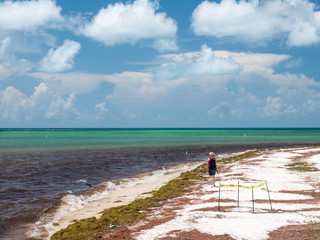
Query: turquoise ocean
(38, 167)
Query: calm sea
(40, 166)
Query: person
(212, 167)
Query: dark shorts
(212, 171)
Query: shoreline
(113, 195)
(295, 197)
(139, 188)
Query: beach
(295, 197)
(47, 174)
(279, 199)
(117, 195)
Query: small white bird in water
(83, 181)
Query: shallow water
(40, 166)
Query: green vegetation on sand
(301, 166)
(92, 228)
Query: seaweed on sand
(93, 228)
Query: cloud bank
(249, 89)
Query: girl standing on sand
(212, 167)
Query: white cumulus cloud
(199, 63)
(101, 110)
(128, 23)
(60, 59)
(101, 107)
(28, 15)
(275, 107)
(59, 105)
(12, 102)
(296, 21)
(44, 103)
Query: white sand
(242, 223)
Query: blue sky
(165, 63)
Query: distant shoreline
(173, 128)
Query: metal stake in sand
(252, 200)
(269, 195)
(238, 193)
(219, 198)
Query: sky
(159, 63)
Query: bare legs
(212, 180)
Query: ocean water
(39, 167)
